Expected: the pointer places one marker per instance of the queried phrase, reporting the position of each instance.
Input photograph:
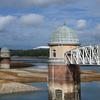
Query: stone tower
(63, 79)
(5, 58)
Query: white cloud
(89, 37)
(27, 35)
(31, 20)
(81, 25)
(5, 21)
(98, 27)
(28, 3)
(46, 2)
(6, 2)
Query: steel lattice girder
(86, 55)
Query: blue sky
(26, 24)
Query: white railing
(86, 55)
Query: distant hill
(34, 52)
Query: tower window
(58, 94)
(54, 53)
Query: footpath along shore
(12, 80)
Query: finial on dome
(64, 23)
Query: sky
(26, 24)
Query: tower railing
(85, 55)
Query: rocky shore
(11, 80)
(16, 87)
(17, 64)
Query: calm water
(89, 90)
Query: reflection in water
(64, 83)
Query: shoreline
(18, 64)
(28, 57)
(12, 80)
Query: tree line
(36, 52)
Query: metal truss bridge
(86, 55)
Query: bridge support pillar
(64, 82)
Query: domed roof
(64, 35)
(5, 49)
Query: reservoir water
(89, 90)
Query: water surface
(89, 90)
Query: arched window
(54, 53)
(58, 94)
